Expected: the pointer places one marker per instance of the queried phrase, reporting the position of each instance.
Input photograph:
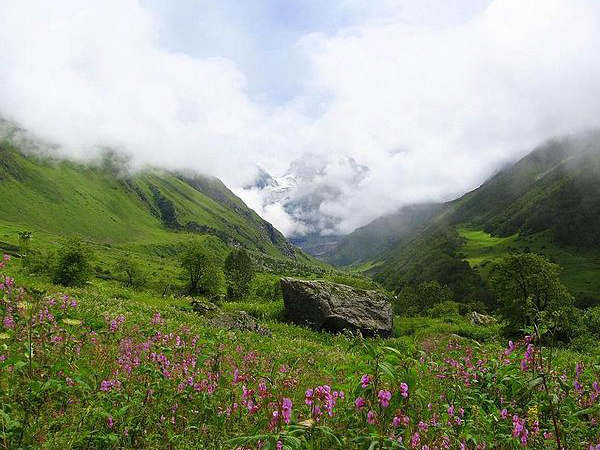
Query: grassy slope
(52, 197)
(581, 268)
(548, 202)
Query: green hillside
(548, 202)
(149, 211)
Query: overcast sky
(426, 97)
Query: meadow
(103, 366)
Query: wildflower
(286, 409)
(359, 402)
(404, 390)
(384, 398)
(6, 257)
(8, 322)
(371, 417)
(504, 413)
(510, 349)
(365, 380)
(423, 426)
(156, 319)
(415, 440)
(578, 370)
(116, 323)
(308, 397)
(451, 410)
(279, 445)
(527, 357)
(109, 422)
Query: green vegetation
(239, 272)
(201, 270)
(103, 345)
(73, 263)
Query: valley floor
(108, 367)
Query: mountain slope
(548, 202)
(97, 201)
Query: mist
(390, 106)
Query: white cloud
(430, 101)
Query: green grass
(580, 267)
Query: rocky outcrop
(334, 307)
(239, 320)
(481, 319)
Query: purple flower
(286, 410)
(415, 440)
(372, 417)
(359, 402)
(8, 322)
(365, 381)
(109, 422)
(384, 398)
(404, 390)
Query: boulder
(238, 320)
(481, 319)
(204, 307)
(334, 307)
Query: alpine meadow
(294, 224)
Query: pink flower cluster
(322, 396)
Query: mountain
(102, 201)
(308, 184)
(548, 202)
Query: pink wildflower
(365, 381)
(384, 398)
(360, 402)
(371, 417)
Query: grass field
(580, 268)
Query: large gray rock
(334, 307)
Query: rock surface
(334, 307)
(481, 319)
(204, 307)
(239, 320)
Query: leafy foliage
(131, 271)
(201, 270)
(239, 272)
(73, 264)
(528, 285)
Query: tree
(73, 266)
(24, 241)
(131, 271)
(530, 292)
(200, 269)
(419, 299)
(239, 272)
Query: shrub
(201, 270)
(131, 272)
(73, 265)
(444, 309)
(414, 300)
(239, 272)
(38, 263)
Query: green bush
(130, 272)
(73, 263)
(38, 263)
(446, 308)
(200, 269)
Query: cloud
(428, 100)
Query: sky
(355, 107)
